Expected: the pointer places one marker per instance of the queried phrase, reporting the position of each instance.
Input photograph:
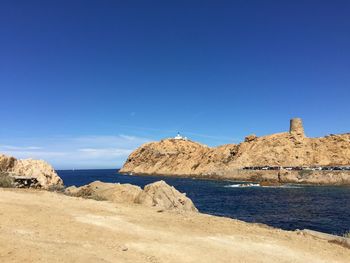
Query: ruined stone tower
(296, 127)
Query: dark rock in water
(270, 183)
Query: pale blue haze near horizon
(83, 83)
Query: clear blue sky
(85, 82)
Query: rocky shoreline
(37, 174)
(326, 178)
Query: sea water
(290, 207)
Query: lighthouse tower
(179, 137)
(296, 127)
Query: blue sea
(320, 208)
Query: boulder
(163, 196)
(159, 195)
(106, 191)
(250, 138)
(43, 172)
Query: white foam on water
(258, 185)
(242, 185)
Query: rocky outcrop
(181, 157)
(159, 195)
(250, 138)
(167, 157)
(163, 196)
(43, 173)
(125, 193)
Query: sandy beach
(41, 226)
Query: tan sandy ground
(39, 226)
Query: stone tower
(296, 127)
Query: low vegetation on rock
(6, 181)
(347, 234)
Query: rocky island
(291, 156)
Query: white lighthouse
(179, 137)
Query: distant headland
(288, 157)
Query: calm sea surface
(325, 209)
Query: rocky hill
(293, 148)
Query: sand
(40, 226)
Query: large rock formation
(159, 195)
(181, 157)
(163, 196)
(106, 191)
(43, 172)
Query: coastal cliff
(293, 148)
